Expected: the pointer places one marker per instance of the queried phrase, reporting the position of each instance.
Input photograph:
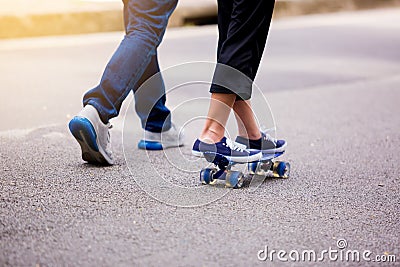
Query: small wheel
(207, 175)
(252, 167)
(259, 168)
(281, 169)
(234, 179)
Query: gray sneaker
(266, 144)
(93, 136)
(174, 137)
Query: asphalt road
(332, 82)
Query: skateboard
(235, 179)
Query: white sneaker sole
(255, 157)
(197, 154)
(272, 150)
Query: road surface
(332, 82)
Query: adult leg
(153, 113)
(147, 21)
(145, 26)
(150, 99)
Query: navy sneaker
(266, 144)
(228, 149)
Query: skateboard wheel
(234, 179)
(207, 175)
(259, 168)
(281, 169)
(252, 167)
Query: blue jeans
(134, 61)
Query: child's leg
(218, 113)
(212, 139)
(243, 41)
(243, 30)
(247, 125)
(249, 132)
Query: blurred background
(73, 40)
(23, 18)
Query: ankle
(211, 137)
(251, 136)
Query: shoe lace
(264, 129)
(109, 126)
(233, 145)
(267, 136)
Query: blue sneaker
(174, 137)
(227, 148)
(267, 144)
(93, 136)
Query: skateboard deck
(235, 179)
